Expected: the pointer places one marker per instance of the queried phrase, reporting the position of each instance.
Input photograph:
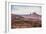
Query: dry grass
(25, 24)
(21, 23)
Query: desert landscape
(25, 21)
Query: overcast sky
(17, 9)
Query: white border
(27, 29)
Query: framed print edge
(7, 14)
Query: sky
(22, 10)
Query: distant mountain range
(33, 16)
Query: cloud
(25, 9)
